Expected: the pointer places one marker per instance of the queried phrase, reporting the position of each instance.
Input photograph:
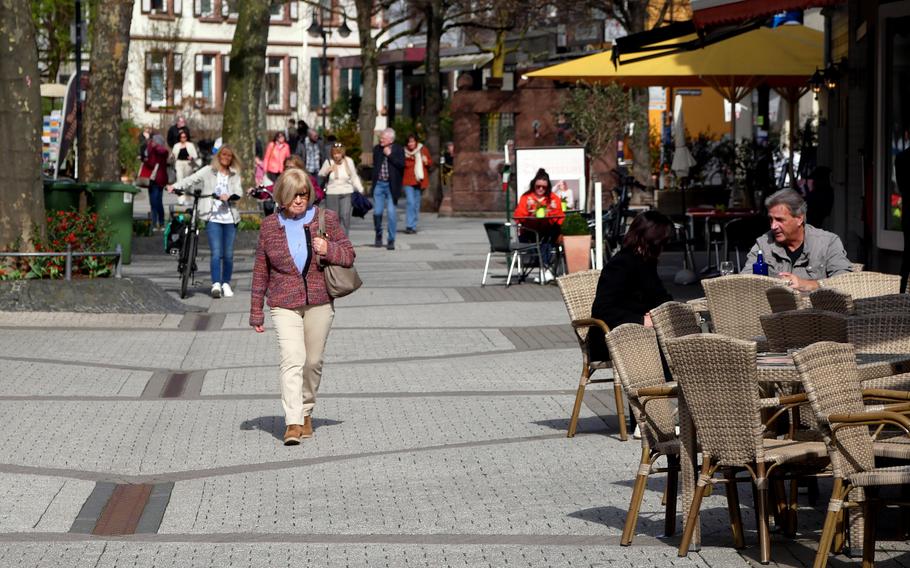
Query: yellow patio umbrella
(783, 57)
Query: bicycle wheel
(189, 263)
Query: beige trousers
(302, 334)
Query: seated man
(794, 250)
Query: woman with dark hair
(539, 211)
(629, 287)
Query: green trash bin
(114, 203)
(62, 195)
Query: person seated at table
(629, 287)
(539, 212)
(793, 250)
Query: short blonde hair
(289, 184)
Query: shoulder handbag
(339, 281)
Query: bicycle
(614, 220)
(186, 258)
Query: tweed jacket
(276, 276)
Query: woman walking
(155, 169)
(275, 154)
(417, 164)
(341, 180)
(288, 270)
(185, 159)
(221, 182)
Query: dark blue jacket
(396, 168)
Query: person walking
(416, 178)
(388, 170)
(275, 154)
(341, 180)
(173, 133)
(311, 150)
(221, 183)
(185, 159)
(288, 270)
(155, 169)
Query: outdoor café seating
(832, 300)
(501, 242)
(798, 328)
(784, 299)
(893, 303)
(736, 302)
(578, 290)
(672, 320)
(863, 284)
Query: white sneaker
(226, 290)
(547, 276)
(637, 433)
(216, 290)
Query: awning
(715, 12)
(459, 62)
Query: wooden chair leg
(736, 519)
(670, 493)
(620, 411)
(579, 397)
(792, 508)
(707, 470)
(638, 492)
(830, 525)
(869, 513)
(764, 536)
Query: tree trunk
(241, 109)
(109, 58)
(21, 194)
(433, 10)
(369, 78)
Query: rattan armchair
(736, 303)
(863, 284)
(889, 303)
(829, 376)
(674, 319)
(636, 362)
(832, 300)
(798, 328)
(885, 333)
(718, 380)
(578, 290)
(784, 299)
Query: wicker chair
(857, 267)
(717, 378)
(672, 320)
(798, 328)
(832, 300)
(578, 290)
(736, 303)
(882, 333)
(829, 376)
(890, 303)
(636, 362)
(863, 284)
(784, 299)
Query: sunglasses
(540, 186)
(301, 196)
(337, 145)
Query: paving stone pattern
(440, 431)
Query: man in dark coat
(388, 170)
(173, 133)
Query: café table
(716, 216)
(773, 368)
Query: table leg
(688, 456)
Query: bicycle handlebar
(199, 195)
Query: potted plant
(576, 242)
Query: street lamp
(317, 29)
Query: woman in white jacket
(220, 181)
(341, 180)
(185, 158)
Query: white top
(341, 179)
(221, 211)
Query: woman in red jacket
(275, 154)
(155, 169)
(539, 212)
(416, 178)
(288, 270)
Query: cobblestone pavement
(154, 439)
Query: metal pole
(323, 62)
(78, 40)
(68, 271)
(118, 270)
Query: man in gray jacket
(800, 253)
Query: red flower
(70, 238)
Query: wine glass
(726, 268)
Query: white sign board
(564, 164)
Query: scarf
(418, 160)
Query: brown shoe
(307, 430)
(292, 434)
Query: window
(896, 124)
(495, 129)
(225, 68)
(317, 81)
(206, 73)
(166, 8)
(281, 83)
(206, 8)
(283, 13)
(163, 79)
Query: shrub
(249, 223)
(574, 225)
(81, 231)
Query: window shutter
(314, 84)
(293, 4)
(146, 6)
(356, 89)
(197, 8)
(177, 75)
(225, 69)
(292, 82)
(344, 85)
(225, 8)
(197, 82)
(178, 7)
